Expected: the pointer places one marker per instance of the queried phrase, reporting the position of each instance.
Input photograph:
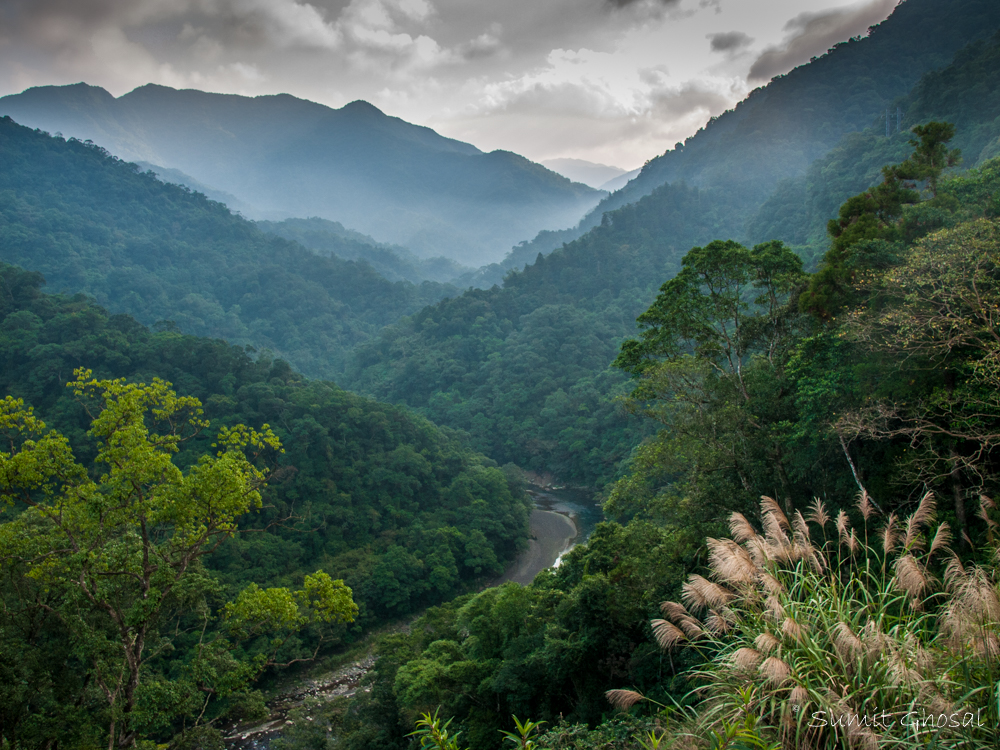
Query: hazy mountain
(162, 253)
(284, 157)
(523, 368)
(392, 261)
(617, 183)
(587, 172)
(783, 127)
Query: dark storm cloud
(729, 41)
(812, 34)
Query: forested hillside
(91, 223)
(398, 182)
(781, 128)
(393, 262)
(965, 93)
(524, 368)
(841, 460)
(365, 492)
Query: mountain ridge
(286, 157)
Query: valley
(324, 431)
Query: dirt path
(551, 534)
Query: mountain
(93, 223)
(617, 183)
(587, 172)
(391, 261)
(286, 157)
(783, 127)
(524, 368)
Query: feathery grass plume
(923, 515)
(864, 505)
(818, 514)
(793, 630)
(775, 608)
(911, 576)
(730, 562)
(691, 627)
(624, 699)
(890, 535)
(775, 670)
(872, 635)
(740, 528)
(775, 523)
(862, 737)
(901, 672)
(954, 574)
(874, 641)
(766, 642)
(799, 696)
(853, 543)
(720, 621)
(759, 551)
(846, 642)
(942, 538)
(843, 526)
(976, 601)
(674, 610)
(771, 584)
(746, 659)
(667, 634)
(699, 593)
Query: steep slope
(781, 128)
(286, 157)
(523, 368)
(391, 261)
(91, 223)
(373, 494)
(966, 94)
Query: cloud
(812, 34)
(729, 41)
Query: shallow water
(578, 504)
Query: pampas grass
(850, 629)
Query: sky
(610, 81)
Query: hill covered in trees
(780, 129)
(368, 493)
(524, 368)
(398, 182)
(841, 461)
(92, 223)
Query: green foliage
(835, 640)
(400, 510)
(91, 223)
(111, 555)
(551, 648)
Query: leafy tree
(113, 554)
(710, 367)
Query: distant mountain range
(282, 157)
(587, 172)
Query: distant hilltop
(281, 156)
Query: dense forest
(377, 497)
(92, 223)
(873, 378)
(778, 364)
(524, 368)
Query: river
(561, 519)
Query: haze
(609, 81)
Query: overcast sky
(611, 81)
